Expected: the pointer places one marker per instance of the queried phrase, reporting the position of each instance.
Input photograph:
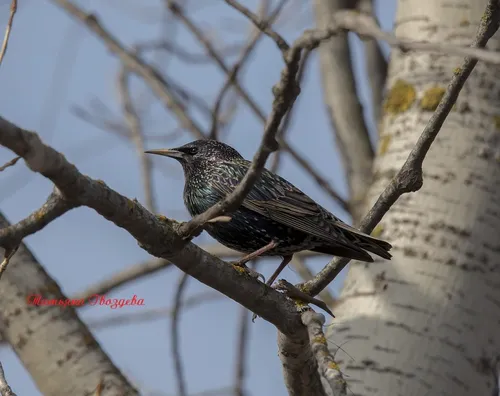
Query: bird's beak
(172, 153)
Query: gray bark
(426, 323)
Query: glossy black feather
(273, 210)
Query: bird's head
(199, 153)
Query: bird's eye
(191, 150)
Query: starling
(275, 219)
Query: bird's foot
(243, 269)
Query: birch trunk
(427, 322)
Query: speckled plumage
(274, 210)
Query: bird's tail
(373, 245)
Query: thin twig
(134, 64)
(151, 314)
(5, 43)
(245, 55)
(280, 136)
(5, 389)
(242, 349)
(326, 364)
(12, 162)
(124, 277)
(9, 252)
(262, 25)
(175, 341)
(136, 134)
(54, 207)
(409, 178)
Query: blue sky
(53, 64)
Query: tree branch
(375, 64)
(12, 162)
(327, 366)
(137, 137)
(5, 43)
(409, 178)
(175, 342)
(136, 65)
(344, 109)
(5, 389)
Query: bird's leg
(242, 262)
(257, 253)
(284, 263)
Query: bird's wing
(277, 199)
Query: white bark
(427, 322)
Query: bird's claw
(242, 268)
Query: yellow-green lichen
(384, 144)
(377, 231)
(400, 97)
(240, 269)
(299, 303)
(333, 366)
(319, 340)
(431, 98)
(496, 121)
(457, 70)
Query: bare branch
(156, 236)
(152, 314)
(409, 178)
(327, 366)
(12, 162)
(5, 43)
(320, 180)
(123, 277)
(136, 65)
(137, 137)
(262, 25)
(344, 109)
(175, 343)
(233, 73)
(7, 256)
(289, 115)
(300, 368)
(5, 389)
(375, 64)
(54, 207)
(242, 349)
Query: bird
(275, 218)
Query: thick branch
(344, 108)
(327, 366)
(5, 389)
(409, 178)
